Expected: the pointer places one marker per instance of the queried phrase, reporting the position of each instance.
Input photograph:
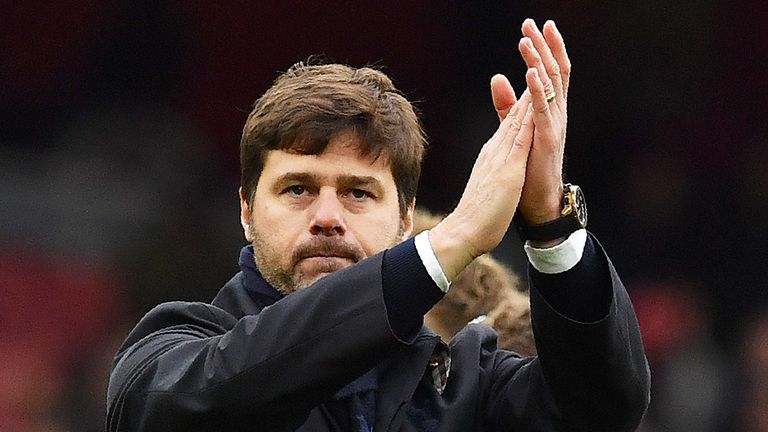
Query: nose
(327, 214)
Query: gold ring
(550, 97)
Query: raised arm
(591, 373)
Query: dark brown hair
(309, 105)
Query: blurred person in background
(484, 292)
(691, 372)
(511, 319)
(753, 402)
(322, 329)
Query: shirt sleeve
(429, 259)
(560, 258)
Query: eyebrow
(294, 177)
(344, 181)
(352, 181)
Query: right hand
(549, 71)
(491, 196)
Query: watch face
(581, 207)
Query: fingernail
(529, 21)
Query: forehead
(341, 156)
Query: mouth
(327, 258)
(316, 264)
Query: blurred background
(119, 132)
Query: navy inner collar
(254, 283)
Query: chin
(312, 270)
(308, 281)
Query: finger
(550, 64)
(557, 46)
(511, 126)
(533, 60)
(541, 114)
(503, 95)
(522, 142)
(521, 104)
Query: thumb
(503, 95)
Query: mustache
(327, 247)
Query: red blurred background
(119, 132)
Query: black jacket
(242, 364)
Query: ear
(245, 216)
(408, 219)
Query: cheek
(276, 227)
(378, 234)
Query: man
(322, 329)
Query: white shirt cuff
(430, 262)
(560, 258)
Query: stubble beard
(288, 278)
(268, 263)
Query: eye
(359, 194)
(296, 190)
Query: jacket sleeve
(591, 373)
(192, 366)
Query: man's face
(314, 214)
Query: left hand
(548, 71)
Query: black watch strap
(560, 227)
(574, 217)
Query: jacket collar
(398, 375)
(254, 283)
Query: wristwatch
(573, 217)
